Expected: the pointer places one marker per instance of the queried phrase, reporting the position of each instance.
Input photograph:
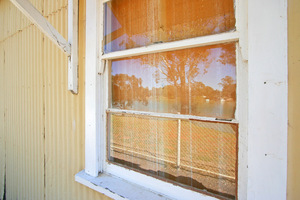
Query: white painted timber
(100, 33)
(93, 82)
(242, 116)
(73, 41)
(242, 27)
(177, 45)
(37, 18)
(155, 185)
(102, 92)
(117, 188)
(267, 119)
(171, 116)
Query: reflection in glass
(135, 23)
(198, 81)
(203, 156)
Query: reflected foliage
(197, 81)
(229, 88)
(127, 89)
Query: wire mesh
(209, 147)
(145, 136)
(193, 153)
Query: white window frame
(262, 157)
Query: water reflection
(198, 81)
(135, 23)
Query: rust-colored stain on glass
(136, 23)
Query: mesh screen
(200, 155)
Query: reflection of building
(42, 125)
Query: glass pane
(135, 23)
(199, 81)
(198, 155)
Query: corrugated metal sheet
(2, 113)
(52, 7)
(42, 123)
(293, 179)
(24, 125)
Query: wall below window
(293, 191)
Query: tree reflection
(127, 89)
(229, 88)
(186, 81)
(180, 70)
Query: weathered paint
(42, 132)
(293, 186)
(267, 99)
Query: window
(169, 96)
(171, 114)
(261, 105)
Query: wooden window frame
(96, 153)
(250, 182)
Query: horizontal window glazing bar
(171, 116)
(171, 46)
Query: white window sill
(117, 188)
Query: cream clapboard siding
(41, 122)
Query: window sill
(116, 188)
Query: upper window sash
(136, 23)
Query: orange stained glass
(198, 81)
(135, 23)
